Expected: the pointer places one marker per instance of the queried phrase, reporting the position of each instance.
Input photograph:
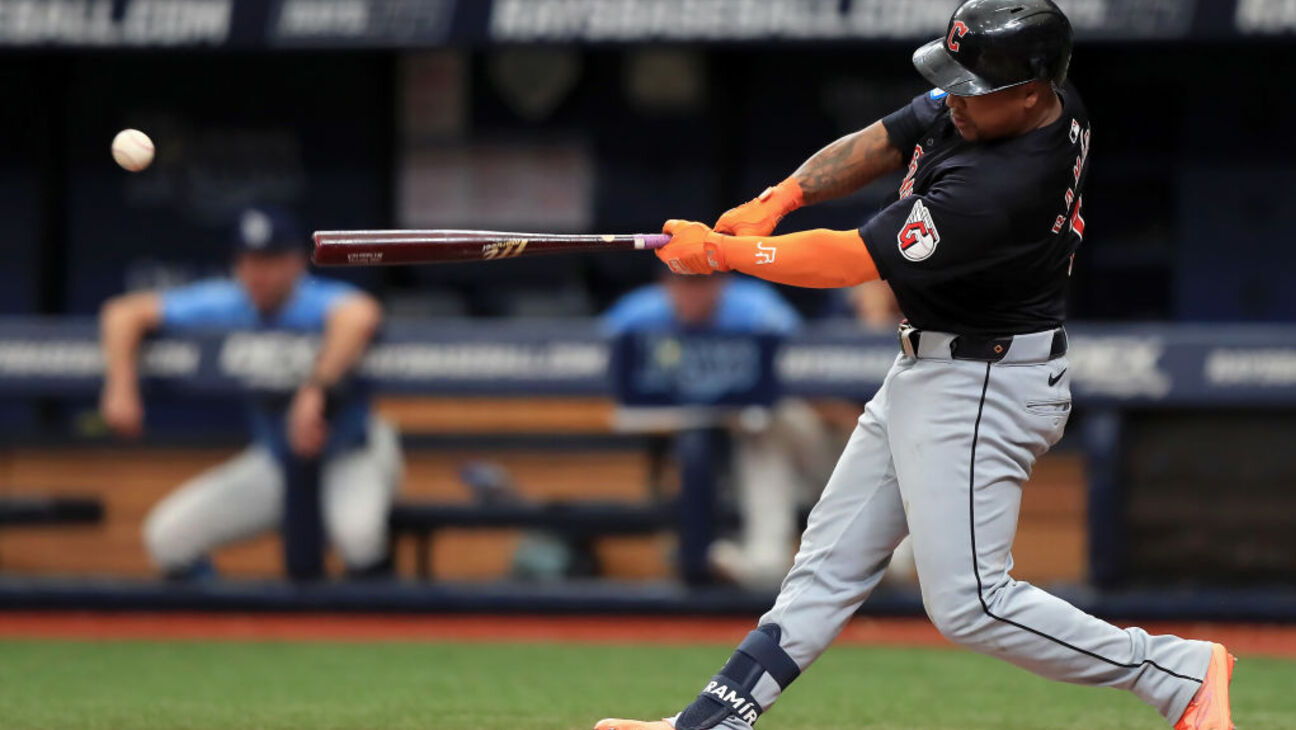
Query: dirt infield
(1268, 640)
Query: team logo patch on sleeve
(918, 237)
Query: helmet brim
(939, 67)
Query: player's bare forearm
(839, 169)
(123, 322)
(848, 164)
(349, 329)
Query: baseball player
(978, 248)
(244, 496)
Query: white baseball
(132, 149)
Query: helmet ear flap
(1043, 71)
(1039, 67)
(1063, 69)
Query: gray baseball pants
(243, 497)
(941, 454)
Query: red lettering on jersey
(959, 28)
(906, 187)
(911, 233)
(1082, 158)
(1077, 222)
(1080, 138)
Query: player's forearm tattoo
(848, 164)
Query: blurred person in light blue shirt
(778, 461)
(243, 497)
(733, 304)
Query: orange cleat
(615, 724)
(1209, 709)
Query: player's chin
(967, 132)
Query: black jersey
(981, 237)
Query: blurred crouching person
(361, 463)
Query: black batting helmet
(994, 44)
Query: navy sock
(730, 691)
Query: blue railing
(1152, 365)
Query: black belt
(981, 348)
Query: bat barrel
(395, 247)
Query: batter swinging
(978, 248)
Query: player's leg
(966, 436)
(853, 528)
(232, 501)
(359, 486)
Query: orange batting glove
(761, 215)
(693, 249)
(819, 259)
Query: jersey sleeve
(313, 302)
(905, 125)
(949, 230)
(217, 303)
(325, 294)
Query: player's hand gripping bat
(377, 248)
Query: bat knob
(652, 241)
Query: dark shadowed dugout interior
(1184, 205)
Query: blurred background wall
(591, 128)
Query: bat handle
(655, 241)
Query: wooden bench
(580, 522)
(38, 511)
(1051, 543)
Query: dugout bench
(32, 511)
(577, 523)
(1145, 395)
(682, 389)
(43, 511)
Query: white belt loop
(906, 341)
(936, 345)
(1030, 347)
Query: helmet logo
(959, 28)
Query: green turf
(305, 686)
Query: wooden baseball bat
(385, 248)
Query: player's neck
(1048, 113)
(272, 307)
